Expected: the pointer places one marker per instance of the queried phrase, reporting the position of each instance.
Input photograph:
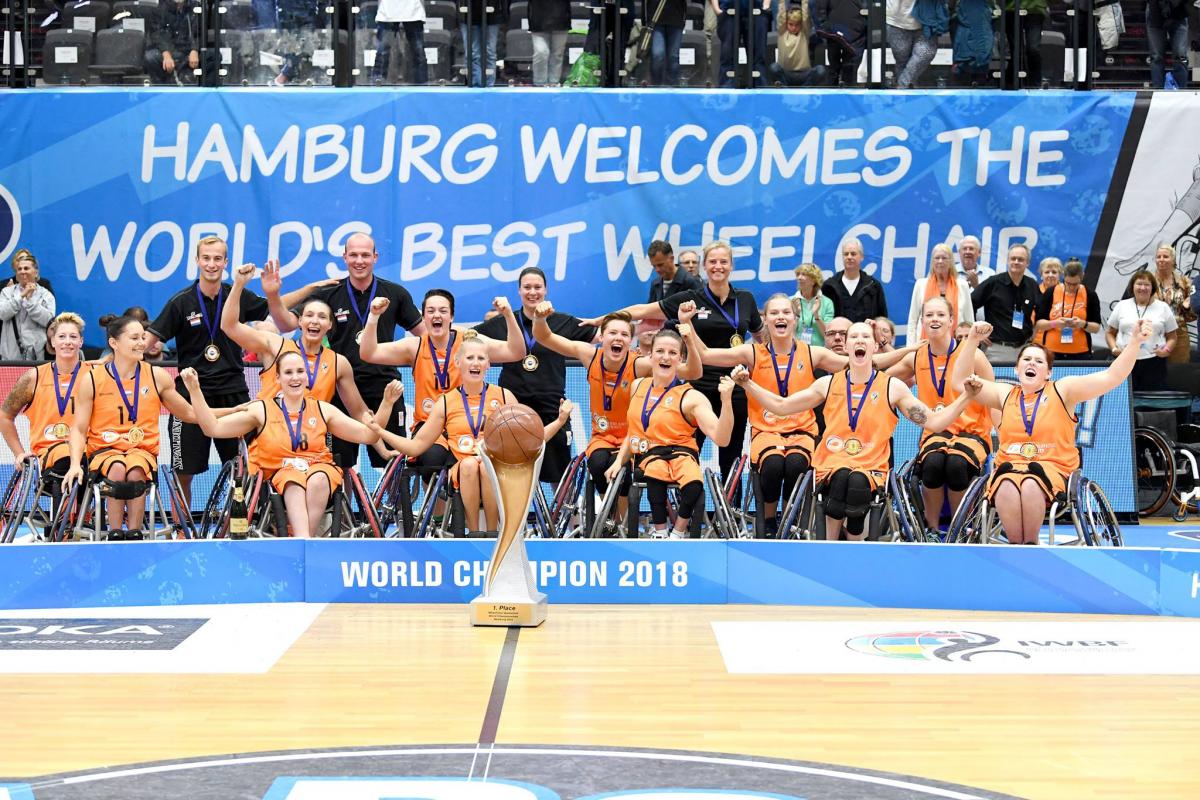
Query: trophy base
(516, 613)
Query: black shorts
(345, 454)
(190, 446)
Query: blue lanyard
(851, 412)
(62, 400)
(475, 424)
(939, 386)
(647, 414)
(297, 433)
(787, 376)
(137, 393)
(1030, 419)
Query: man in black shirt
(193, 319)
(540, 379)
(1009, 300)
(350, 300)
(172, 52)
(671, 279)
(855, 294)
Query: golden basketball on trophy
(513, 434)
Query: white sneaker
(674, 534)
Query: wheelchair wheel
(607, 504)
(388, 499)
(795, 521)
(898, 510)
(566, 506)
(215, 518)
(18, 498)
(63, 526)
(968, 525)
(181, 515)
(1094, 519)
(1154, 460)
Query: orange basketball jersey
(768, 375)
(1062, 306)
(668, 427)
(1052, 440)
(609, 421)
(111, 428)
(324, 383)
(46, 426)
(869, 444)
(273, 448)
(425, 375)
(458, 430)
(976, 419)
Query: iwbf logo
(10, 223)
(929, 645)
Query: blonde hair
(812, 271)
(718, 244)
(950, 255)
(795, 14)
(65, 318)
(1169, 248)
(24, 254)
(207, 240)
(1050, 261)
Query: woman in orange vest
(117, 407)
(458, 416)
(664, 415)
(1068, 316)
(611, 371)
(1037, 451)
(290, 443)
(433, 359)
(947, 461)
(851, 461)
(46, 395)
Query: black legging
(729, 454)
(690, 496)
(950, 470)
(848, 496)
(777, 475)
(599, 461)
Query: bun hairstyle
(117, 325)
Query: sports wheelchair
(632, 529)
(80, 515)
(31, 499)
(889, 512)
(1083, 503)
(1166, 454)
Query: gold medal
(212, 354)
(135, 435)
(601, 424)
(853, 447)
(1029, 450)
(60, 431)
(529, 363)
(735, 340)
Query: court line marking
(932, 791)
(495, 706)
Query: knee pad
(933, 470)
(656, 493)
(795, 466)
(122, 490)
(835, 494)
(770, 477)
(959, 473)
(689, 496)
(858, 495)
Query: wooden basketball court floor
(622, 676)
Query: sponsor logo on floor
(237, 639)
(1136, 647)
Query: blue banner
(1180, 583)
(112, 189)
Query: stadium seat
(67, 56)
(118, 54)
(439, 55)
(98, 11)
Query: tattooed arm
(16, 402)
(920, 414)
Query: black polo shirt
(712, 327)
(371, 378)
(182, 320)
(999, 297)
(867, 302)
(682, 282)
(542, 388)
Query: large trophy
(513, 443)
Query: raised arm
(692, 367)
(967, 350)
(1081, 388)
(262, 342)
(172, 399)
(513, 347)
(549, 339)
(636, 311)
(397, 354)
(16, 402)
(422, 440)
(282, 315)
(565, 407)
(803, 400)
(718, 428)
(742, 355)
(230, 426)
(347, 389)
(351, 430)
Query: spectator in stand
(943, 281)
(1050, 271)
(748, 29)
(1150, 372)
(390, 18)
(1176, 291)
(835, 334)
(855, 295)
(792, 65)
(1029, 39)
(549, 21)
(973, 41)
(813, 309)
(671, 279)
(885, 335)
(1068, 316)
(690, 261)
(969, 251)
(912, 31)
(665, 39)
(1009, 300)
(844, 28)
(173, 43)
(480, 30)
(26, 308)
(1167, 19)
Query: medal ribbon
(475, 424)
(736, 311)
(137, 386)
(1029, 420)
(940, 386)
(64, 399)
(311, 373)
(608, 398)
(783, 382)
(647, 414)
(441, 372)
(853, 413)
(296, 433)
(214, 324)
(361, 315)
(527, 333)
